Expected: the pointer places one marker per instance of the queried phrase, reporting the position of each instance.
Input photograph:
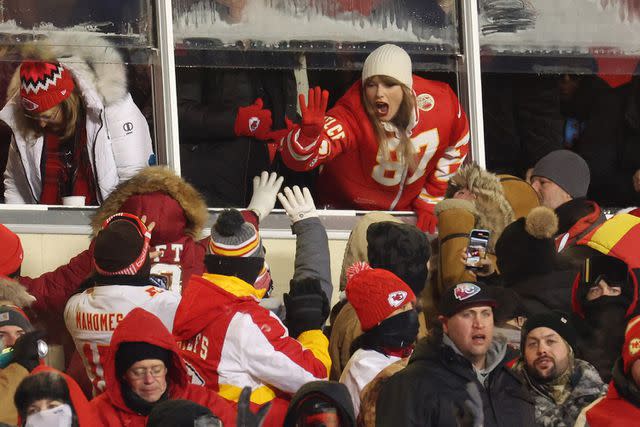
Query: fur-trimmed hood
(97, 60)
(492, 210)
(14, 293)
(164, 198)
(97, 67)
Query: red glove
(312, 115)
(253, 121)
(278, 134)
(427, 220)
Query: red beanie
(10, 251)
(631, 347)
(375, 294)
(43, 85)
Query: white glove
(265, 188)
(298, 204)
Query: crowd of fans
(542, 331)
(162, 327)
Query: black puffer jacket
(430, 391)
(545, 292)
(218, 163)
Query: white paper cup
(73, 201)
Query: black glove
(246, 418)
(25, 350)
(306, 305)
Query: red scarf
(67, 168)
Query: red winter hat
(631, 347)
(43, 85)
(10, 251)
(375, 294)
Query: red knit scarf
(64, 169)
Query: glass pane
(564, 75)
(316, 26)
(128, 22)
(545, 36)
(74, 126)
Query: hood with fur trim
(97, 67)
(492, 210)
(14, 293)
(168, 200)
(97, 61)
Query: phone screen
(477, 248)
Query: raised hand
(313, 112)
(254, 121)
(265, 189)
(298, 203)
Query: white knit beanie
(389, 60)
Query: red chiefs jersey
(354, 173)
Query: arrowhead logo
(29, 105)
(396, 298)
(464, 291)
(254, 123)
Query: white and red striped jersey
(92, 316)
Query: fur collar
(152, 179)
(97, 62)
(492, 210)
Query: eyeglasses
(155, 371)
(47, 119)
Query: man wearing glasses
(144, 369)
(76, 130)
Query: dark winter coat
(586, 386)
(218, 163)
(544, 292)
(522, 120)
(430, 391)
(609, 139)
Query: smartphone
(477, 248)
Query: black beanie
(43, 385)
(555, 320)
(401, 249)
(527, 247)
(131, 352)
(176, 413)
(117, 248)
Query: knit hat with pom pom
(526, 246)
(235, 247)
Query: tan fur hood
(99, 62)
(492, 210)
(14, 293)
(157, 179)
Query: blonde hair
(71, 110)
(406, 152)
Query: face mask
(398, 331)
(60, 416)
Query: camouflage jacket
(586, 386)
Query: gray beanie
(14, 316)
(567, 169)
(232, 236)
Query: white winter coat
(118, 137)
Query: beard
(545, 376)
